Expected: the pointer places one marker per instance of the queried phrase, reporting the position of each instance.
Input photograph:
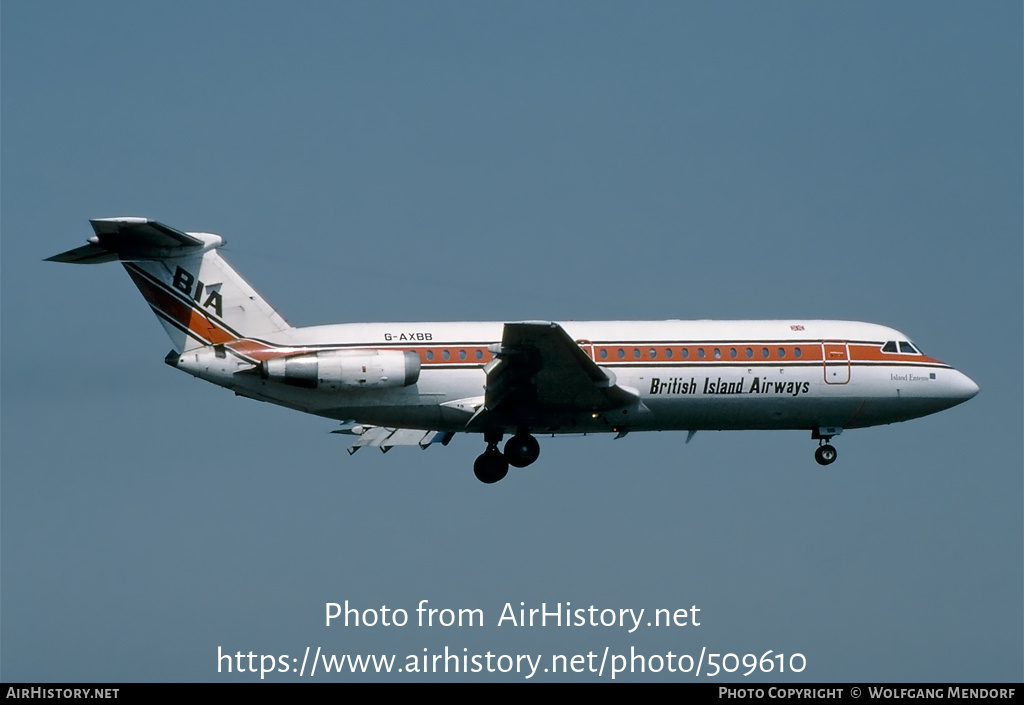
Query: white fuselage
(689, 375)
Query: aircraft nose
(963, 387)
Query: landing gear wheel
(825, 455)
(521, 450)
(491, 466)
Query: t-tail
(198, 297)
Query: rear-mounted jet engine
(345, 369)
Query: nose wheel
(825, 454)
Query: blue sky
(499, 161)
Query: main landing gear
(491, 466)
(521, 450)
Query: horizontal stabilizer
(86, 254)
(197, 296)
(136, 239)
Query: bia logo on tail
(173, 269)
(183, 282)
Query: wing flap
(387, 438)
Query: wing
(541, 378)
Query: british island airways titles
(758, 385)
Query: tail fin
(198, 297)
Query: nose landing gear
(825, 454)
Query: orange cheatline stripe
(811, 352)
(641, 352)
(183, 314)
(255, 350)
(201, 325)
(873, 353)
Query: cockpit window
(903, 346)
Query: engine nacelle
(345, 369)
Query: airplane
(418, 384)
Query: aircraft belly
(737, 413)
